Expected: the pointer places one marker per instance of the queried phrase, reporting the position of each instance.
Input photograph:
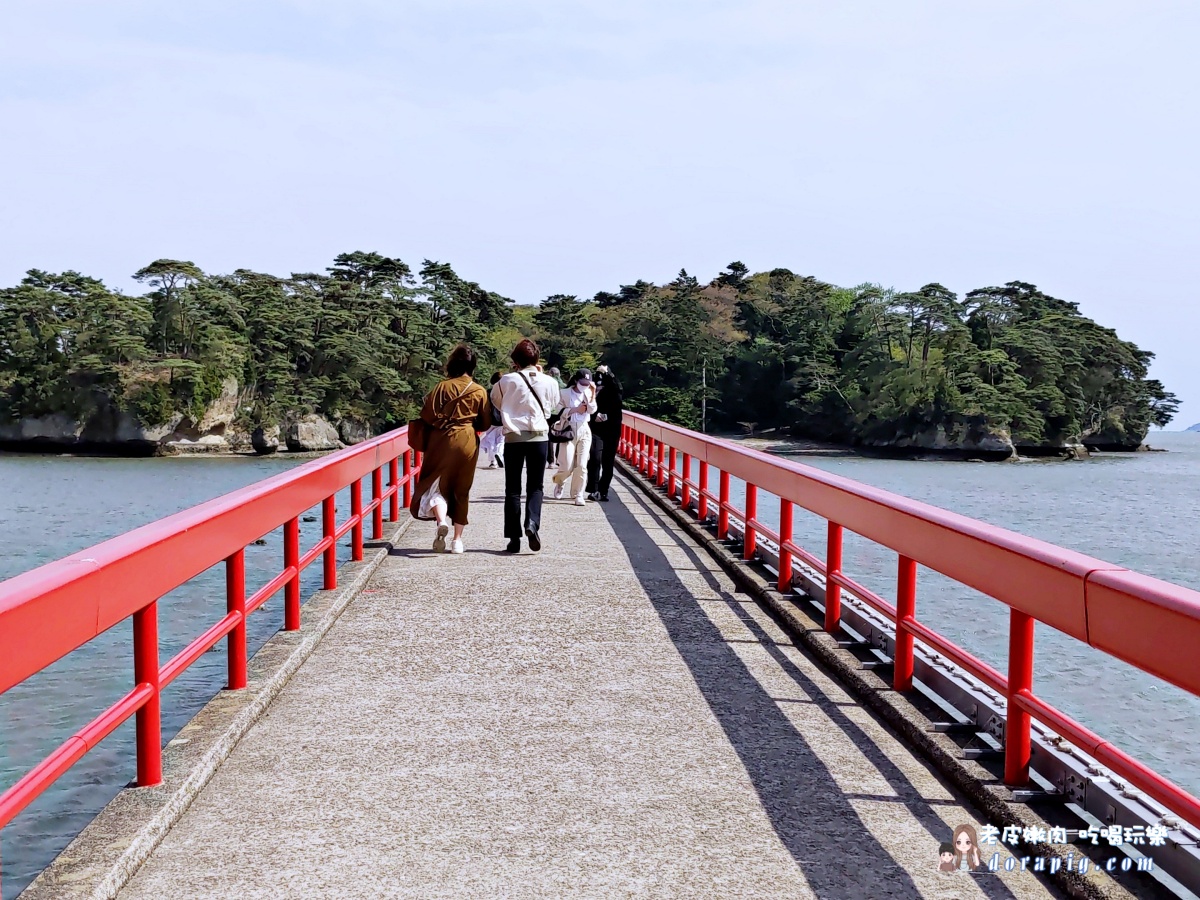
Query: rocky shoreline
(220, 431)
(224, 430)
(991, 450)
(310, 435)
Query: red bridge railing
(1151, 624)
(50, 611)
(53, 610)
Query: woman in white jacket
(526, 399)
(578, 402)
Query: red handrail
(50, 611)
(1151, 624)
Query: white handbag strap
(545, 417)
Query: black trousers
(552, 455)
(604, 455)
(532, 457)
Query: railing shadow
(810, 813)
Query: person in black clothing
(606, 433)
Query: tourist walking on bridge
(526, 399)
(456, 410)
(493, 442)
(579, 402)
(606, 433)
(555, 451)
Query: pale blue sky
(545, 147)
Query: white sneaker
(580, 500)
(456, 545)
(558, 492)
(439, 542)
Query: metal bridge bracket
(995, 727)
(981, 752)
(1075, 789)
(1023, 795)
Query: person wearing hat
(578, 402)
(606, 433)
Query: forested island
(313, 361)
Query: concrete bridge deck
(609, 717)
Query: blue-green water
(1141, 511)
(54, 506)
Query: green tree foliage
(561, 323)
(877, 366)
(367, 338)
(663, 348)
(64, 340)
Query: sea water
(1140, 511)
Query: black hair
(461, 362)
(945, 848)
(496, 376)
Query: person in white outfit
(492, 444)
(526, 400)
(578, 402)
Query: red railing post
(149, 718)
(356, 530)
(750, 536)
(1020, 679)
(660, 473)
(702, 500)
(906, 612)
(641, 461)
(686, 492)
(393, 483)
(328, 529)
(235, 601)
(833, 566)
(785, 537)
(407, 462)
(672, 460)
(723, 507)
(291, 591)
(377, 499)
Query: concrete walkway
(606, 718)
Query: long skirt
(450, 461)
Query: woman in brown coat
(455, 410)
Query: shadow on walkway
(814, 819)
